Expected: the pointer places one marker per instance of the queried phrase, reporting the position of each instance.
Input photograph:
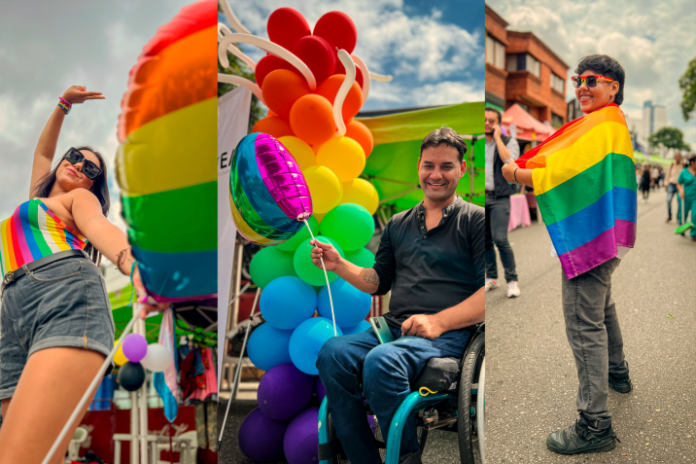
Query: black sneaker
(577, 439)
(620, 384)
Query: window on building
(557, 83)
(495, 52)
(523, 62)
(556, 121)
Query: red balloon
(317, 55)
(338, 29)
(270, 63)
(286, 26)
(340, 69)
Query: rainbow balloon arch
(339, 171)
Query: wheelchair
(457, 405)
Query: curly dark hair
(445, 136)
(606, 66)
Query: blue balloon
(287, 301)
(269, 347)
(350, 304)
(363, 326)
(307, 340)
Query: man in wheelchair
(431, 257)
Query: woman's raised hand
(79, 94)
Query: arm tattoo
(96, 216)
(370, 276)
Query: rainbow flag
(585, 184)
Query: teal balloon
(269, 347)
(293, 242)
(361, 257)
(307, 340)
(363, 326)
(305, 268)
(287, 301)
(268, 264)
(350, 224)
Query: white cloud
(442, 93)
(654, 41)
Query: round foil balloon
(270, 197)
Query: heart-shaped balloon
(317, 55)
(338, 30)
(286, 26)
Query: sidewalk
(531, 376)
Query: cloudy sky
(434, 50)
(654, 41)
(47, 46)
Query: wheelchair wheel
(468, 406)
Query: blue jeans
(671, 191)
(386, 371)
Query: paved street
(531, 375)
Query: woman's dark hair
(100, 189)
(606, 66)
(445, 136)
(691, 159)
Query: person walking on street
(686, 183)
(645, 181)
(671, 177)
(500, 150)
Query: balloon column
(313, 88)
(168, 126)
(135, 356)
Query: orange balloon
(353, 102)
(311, 119)
(271, 113)
(281, 89)
(361, 134)
(273, 125)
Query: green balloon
(268, 264)
(350, 224)
(361, 257)
(300, 236)
(305, 268)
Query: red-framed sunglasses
(591, 80)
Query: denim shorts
(62, 304)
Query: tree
(687, 84)
(669, 137)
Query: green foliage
(669, 137)
(687, 84)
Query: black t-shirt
(429, 271)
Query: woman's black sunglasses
(89, 169)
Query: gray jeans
(594, 336)
(497, 221)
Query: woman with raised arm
(56, 322)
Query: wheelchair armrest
(440, 374)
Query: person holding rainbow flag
(584, 179)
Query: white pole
(326, 275)
(143, 409)
(134, 442)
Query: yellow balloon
(325, 186)
(119, 358)
(318, 217)
(361, 192)
(344, 156)
(300, 150)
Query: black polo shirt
(429, 271)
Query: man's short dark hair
(500, 116)
(445, 136)
(606, 66)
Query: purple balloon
(301, 442)
(261, 438)
(319, 389)
(283, 177)
(284, 391)
(373, 423)
(134, 347)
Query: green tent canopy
(392, 166)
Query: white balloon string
(92, 386)
(237, 80)
(269, 47)
(347, 62)
(380, 77)
(222, 32)
(365, 73)
(231, 18)
(326, 275)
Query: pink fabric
(210, 380)
(519, 212)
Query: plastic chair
(78, 438)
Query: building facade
(522, 69)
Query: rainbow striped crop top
(32, 232)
